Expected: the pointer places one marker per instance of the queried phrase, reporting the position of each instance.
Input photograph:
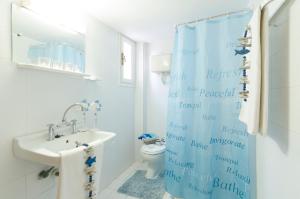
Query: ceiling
(154, 20)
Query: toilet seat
(153, 149)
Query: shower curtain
(209, 154)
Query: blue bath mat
(140, 187)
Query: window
(127, 61)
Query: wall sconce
(160, 64)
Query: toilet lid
(153, 149)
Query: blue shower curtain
(209, 153)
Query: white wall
(140, 93)
(156, 92)
(278, 156)
(31, 99)
(151, 94)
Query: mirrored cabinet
(39, 43)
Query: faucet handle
(51, 129)
(51, 126)
(74, 126)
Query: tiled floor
(111, 191)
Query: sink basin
(35, 147)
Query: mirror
(36, 41)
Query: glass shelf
(53, 70)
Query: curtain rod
(213, 17)
(266, 3)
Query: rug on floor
(140, 187)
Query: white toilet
(153, 156)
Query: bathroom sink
(35, 147)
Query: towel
(72, 177)
(254, 111)
(264, 97)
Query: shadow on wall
(279, 110)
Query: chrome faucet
(81, 105)
(73, 123)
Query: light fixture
(160, 64)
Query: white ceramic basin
(37, 148)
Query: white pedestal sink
(35, 147)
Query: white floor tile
(111, 191)
(104, 194)
(115, 195)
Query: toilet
(153, 156)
